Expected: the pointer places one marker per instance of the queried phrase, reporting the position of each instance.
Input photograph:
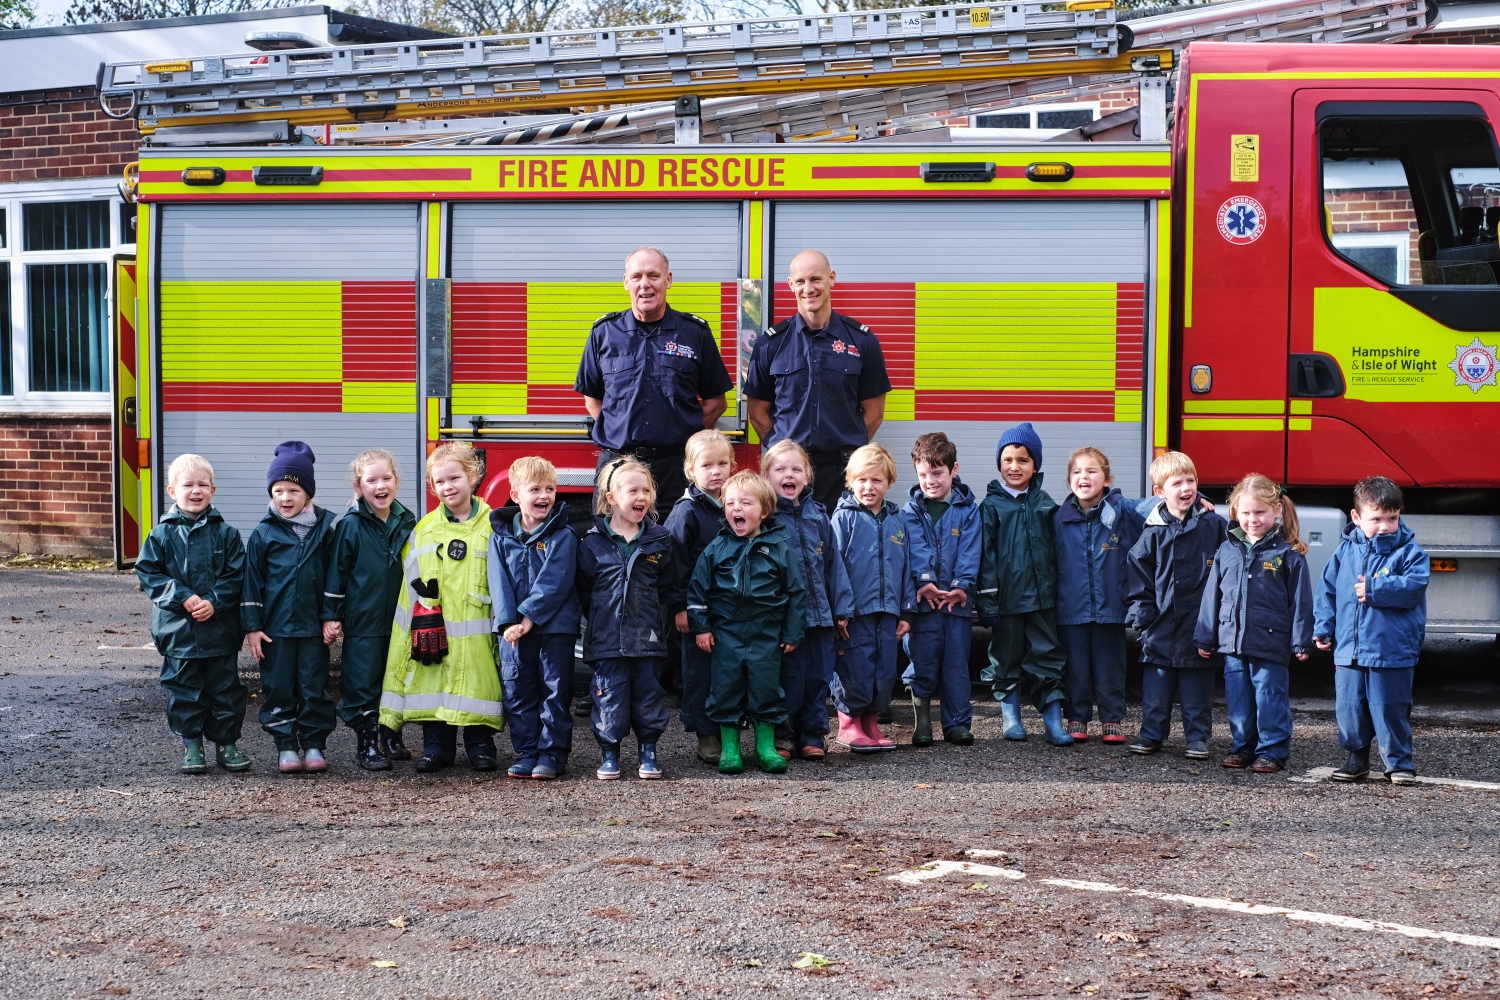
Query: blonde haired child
(746, 606)
(1257, 611)
(441, 668)
(807, 671)
(626, 581)
(532, 566)
(192, 567)
(364, 585)
(696, 517)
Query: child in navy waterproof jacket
(627, 578)
(1168, 569)
(1093, 530)
(285, 614)
(943, 531)
(870, 538)
(1371, 610)
(363, 589)
(1257, 611)
(695, 520)
(192, 567)
(532, 567)
(807, 671)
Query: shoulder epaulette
(696, 319)
(609, 316)
(864, 328)
(780, 327)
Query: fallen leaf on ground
(1309, 854)
(382, 964)
(979, 886)
(921, 785)
(1169, 857)
(1249, 974)
(398, 922)
(812, 960)
(1112, 936)
(753, 963)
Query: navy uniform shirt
(651, 378)
(815, 381)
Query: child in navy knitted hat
(286, 562)
(1018, 587)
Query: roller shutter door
(990, 313)
(289, 321)
(530, 279)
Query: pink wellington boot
(852, 735)
(870, 723)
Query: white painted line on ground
(1318, 774)
(940, 869)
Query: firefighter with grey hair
(651, 377)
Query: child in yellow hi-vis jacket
(441, 669)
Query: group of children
(469, 617)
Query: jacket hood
(771, 530)
(961, 496)
(557, 517)
(997, 488)
(1271, 537)
(650, 530)
(1158, 515)
(1384, 544)
(175, 516)
(1069, 509)
(795, 508)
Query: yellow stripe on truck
(1041, 337)
(252, 331)
(380, 397)
(1232, 424)
(1235, 407)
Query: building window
(1035, 121)
(66, 225)
(57, 244)
(66, 321)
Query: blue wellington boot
(1010, 714)
(1057, 732)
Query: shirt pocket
(677, 374)
(789, 370)
(838, 366)
(620, 372)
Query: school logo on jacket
(899, 538)
(652, 557)
(542, 547)
(1272, 565)
(457, 549)
(955, 532)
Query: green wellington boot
(922, 726)
(730, 761)
(192, 757)
(231, 758)
(766, 757)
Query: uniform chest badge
(541, 547)
(677, 350)
(457, 549)
(899, 538)
(839, 347)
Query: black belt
(836, 455)
(651, 454)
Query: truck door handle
(1314, 376)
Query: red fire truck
(1302, 283)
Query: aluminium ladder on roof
(614, 66)
(857, 113)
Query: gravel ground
(119, 876)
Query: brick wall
(1376, 211)
(56, 493)
(61, 134)
(1480, 36)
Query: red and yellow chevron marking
(306, 346)
(516, 344)
(127, 444)
(1063, 351)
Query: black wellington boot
(370, 755)
(391, 746)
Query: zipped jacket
(945, 553)
(693, 522)
(1167, 570)
(876, 553)
(364, 575)
(285, 578)
(193, 556)
(462, 689)
(1018, 565)
(534, 577)
(1257, 603)
(810, 536)
(625, 599)
(1386, 629)
(1091, 554)
(749, 579)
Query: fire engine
(1300, 279)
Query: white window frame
(976, 132)
(1400, 239)
(12, 199)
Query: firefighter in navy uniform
(818, 378)
(651, 377)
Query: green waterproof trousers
(295, 708)
(745, 681)
(1027, 645)
(205, 697)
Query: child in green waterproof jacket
(1018, 587)
(747, 605)
(192, 566)
(281, 607)
(364, 584)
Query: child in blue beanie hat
(284, 611)
(1018, 587)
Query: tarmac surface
(997, 870)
